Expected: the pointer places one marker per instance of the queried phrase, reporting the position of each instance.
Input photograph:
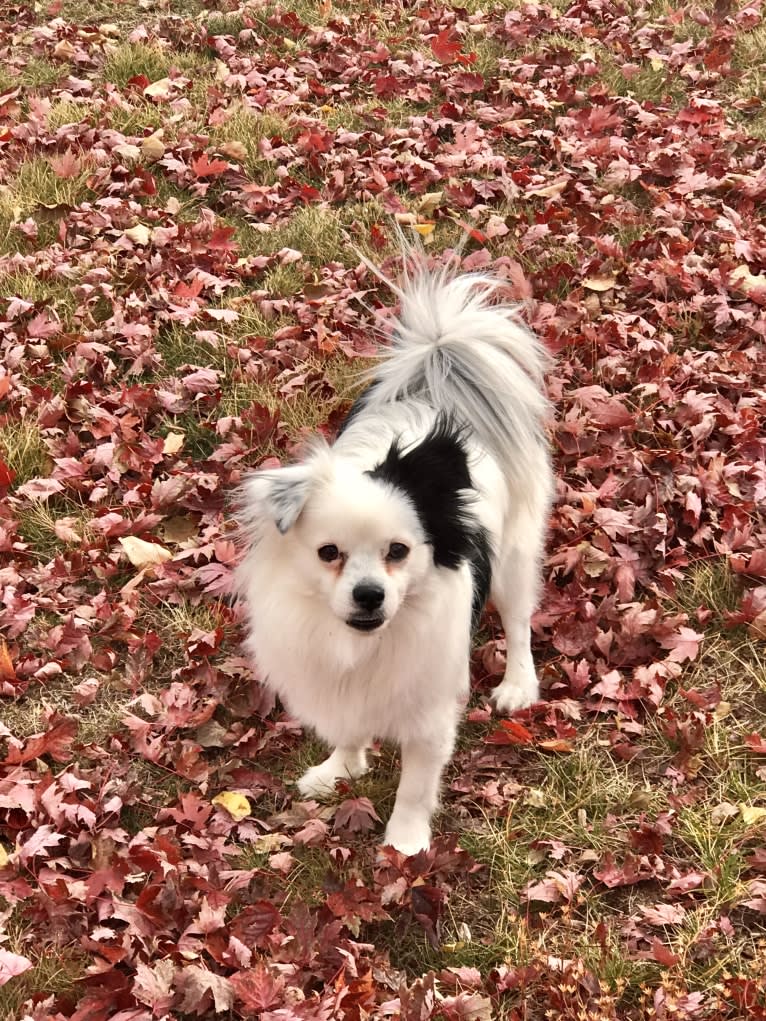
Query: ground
(185, 191)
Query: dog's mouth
(365, 623)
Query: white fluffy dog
(370, 561)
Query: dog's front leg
(409, 828)
(343, 764)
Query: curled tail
(464, 353)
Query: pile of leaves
(183, 193)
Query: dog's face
(353, 542)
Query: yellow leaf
(127, 151)
(235, 804)
(139, 234)
(269, 843)
(4, 859)
(424, 229)
(751, 814)
(152, 148)
(550, 191)
(600, 282)
(173, 443)
(142, 553)
(178, 528)
(745, 281)
(234, 150)
(159, 89)
(721, 710)
(430, 201)
(63, 50)
(656, 64)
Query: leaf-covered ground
(183, 191)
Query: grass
(247, 128)
(69, 111)
(36, 184)
(128, 59)
(56, 969)
(24, 451)
(37, 523)
(322, 234)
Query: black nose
(368, 595)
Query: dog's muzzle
(365, 623)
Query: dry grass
(23, 450)
(57, 970)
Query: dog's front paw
(318, 782)
(409, 837)
(516, 692)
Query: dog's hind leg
(409, 828)
(343, 764)
(515, 587)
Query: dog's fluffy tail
(465, 353)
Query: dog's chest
(400, 690)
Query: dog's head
(364, 541)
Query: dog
(369, 562)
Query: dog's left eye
(397, 551)
(328, 553)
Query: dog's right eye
(328, 553)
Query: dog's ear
(279, 494)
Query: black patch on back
(434, 474)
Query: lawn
(185, 190)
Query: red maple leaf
(257, 989)
(683, 645)
(67, 165)
(203, 166)
(447, 48)
(55, 742)
(192, 290)
(511, 732)
(756, 743)
(221, 239)
(356, 815)
(663, 955)
(255, 922)
(7, 671)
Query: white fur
(457, 352)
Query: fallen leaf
(234, 150)
(663, 955)
(600, 282)
(12, 965)
(173, 443)
(356, 815)
(430, 202)
(139, 234)
(752, 815)
(7, 672)
(160, 89)
(152, 148)
(142, 553)
(235, 804)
